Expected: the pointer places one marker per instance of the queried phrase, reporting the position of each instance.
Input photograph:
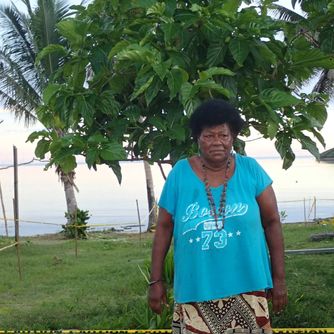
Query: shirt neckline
(221, 185)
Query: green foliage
(315, 27)
(145, 317)
(23, 72)
(31, 51)
(134, 72)
(283, 215)
(76, 226)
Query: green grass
(310, 279)
(98, 289)
(102, 288)
(297, 236)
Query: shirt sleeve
(168, 197)
(263, 180)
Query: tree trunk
(3, 210)
(71, 203)
(150, 196)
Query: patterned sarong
(244, 313)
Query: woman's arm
(161, 243)
(274, 236)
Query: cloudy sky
(14, 133)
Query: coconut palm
(314, 23)
(22, 80)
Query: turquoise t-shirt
(208, 263)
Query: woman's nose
(217, 140)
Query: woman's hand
(279, 296)
(157, 297)
(162, 239)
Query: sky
(14, 133)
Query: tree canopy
(24, 77)
(315, 23)
(133, 71)
(24, 34)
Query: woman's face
(215, 143)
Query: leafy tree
(314, 24)
(22, 80)
(134, 71)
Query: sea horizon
(301, 196)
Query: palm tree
(21, 80)
(314, 23)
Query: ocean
(304, 192)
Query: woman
(222, 212)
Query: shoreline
(127, 232)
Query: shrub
(76, 228)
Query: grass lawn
(103, 288)
(310, 279)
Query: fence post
(76, 232)
(16, 212)
(304, 211)
(315, 208)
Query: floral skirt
(244, 313)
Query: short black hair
(215, 112)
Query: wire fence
(136, 223)
(306, 209)
(291, 211)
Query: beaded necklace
(222, 203)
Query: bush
(76, 228)
(145, 317)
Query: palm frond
(15, 34)
(28, 6)
(325, 83)
(300, 82)
(62, 10)
(20, 111)
(285, 14)
(85, 2)
(28, 74)
(294, 2)
(23, 36)
(45, 18)
(17, 99)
